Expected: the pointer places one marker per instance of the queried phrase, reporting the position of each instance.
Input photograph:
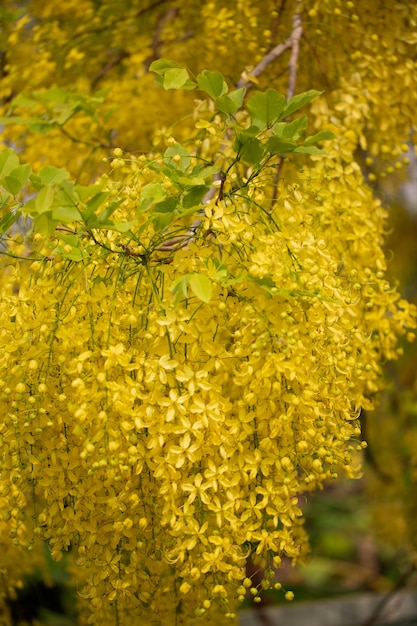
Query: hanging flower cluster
(175, 378)
(184, 360)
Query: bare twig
(292, 42)
(109, 66)
(156, 38)
(297, 31)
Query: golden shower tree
(194, 305)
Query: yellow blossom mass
(192, 314)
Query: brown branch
(108, 67)
(156, 37)
(292, 42)
(297, 31)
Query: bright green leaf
(323, 135)
(230, 103)
(177, 79)
(252, 150)
(122, 227)
(292, 130)
(12, 184)
(8, 220)
(44, 199)
(66, 194)
(108, 211)
(151, 193)
(44, 224)
(275, 145)
(309, 150)
(201, 287)
(93, 204)
(66, 214)
(179, 288)
(266, 107)
(194, 197)
(160, 66)
(177, 156)
(75, 254)
(88, 191)
(162, 220)
(50, 174)
(212, 83)
(17, 178)
(168, 205)
(8, 161)
(298, 101)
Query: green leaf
(108, 211)
(160, 66)
(275, 145)
(8, 220)
(24, 101)
(177, 156)
(71, 240)
(75, 254)
(309, 150)
(162, 220)
(93, 204)
(15, 119)
(323, 135)
(179, 288)
(8, 161)
(297, 102)
(201, 287)
(44, 199)
(17, 179)
(88, 191)
(66, 194)
(22, 173)
(251, 150)
(175, 78)
(168, 205)
(66, 214)
(67, 113)
(212, 83)
(43, 224)
(265, 108)
(230, 103)
(50, 174)
(12, 184)
(292, 130)
(205, 171)
(151, 193)
(194, 197)
(122, 227)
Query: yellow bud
(185, 588)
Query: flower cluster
(174, 382)
(165, 438)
